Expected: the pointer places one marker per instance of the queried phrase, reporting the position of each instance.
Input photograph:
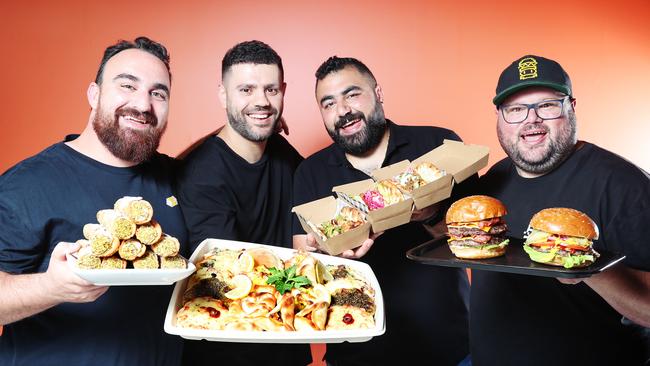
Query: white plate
(322, 336)
(130, 276)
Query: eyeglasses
(547, 109)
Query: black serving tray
(436, 252)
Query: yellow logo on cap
(527, 68)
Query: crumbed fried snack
(168, 246)
(113, 262)
(102, 242)
(148, 261)
(135, 208)
(408, 181)
(118, 224)
(85, 257)
(176, 261)
(428, 171)
(389, 191)
(347, 219)
(131, 249)
(148, 233)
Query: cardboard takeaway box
(459, 160)
(325, 209)
(382, 219)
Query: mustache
(347, 118)
(268, 108)
(148, 117)
(534, 127)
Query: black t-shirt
(528, 320)
(47, 199)
(425, 306)
(225, 197)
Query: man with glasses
(529, 320)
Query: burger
(476, 227)
(561, 237)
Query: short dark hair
(140, 43)
(251, 52)
(334, 64)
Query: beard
(365, 139)
(558, 149)
(136, 146)
(239, 124)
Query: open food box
(458, 161)
(313, 215)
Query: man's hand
(24, 295)
(360, 251)
(425, 213)
(625, 289)
(62, 284)
(309, 243)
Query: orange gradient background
(437, 61)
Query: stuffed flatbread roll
(148, 261)
(167, 246)
(135, 208)
(148, 233)
(85, 257)
(113, 262)
(177, 261)
(102, 242)
(131, 249)
(118, 224)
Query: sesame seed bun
(565, 221)
(475, 208)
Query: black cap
(530, 71)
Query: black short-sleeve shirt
(528, 320)
(47, 199)
(225, 197)
(425, 306)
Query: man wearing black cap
(529, 320)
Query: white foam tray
(130, 276)
(322, 336)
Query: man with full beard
(51, 316)
(426, 307)
(528, 320)
(237, 184)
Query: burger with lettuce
(561, 237)
(476, 227)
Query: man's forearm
(627, 291)
(23, 296)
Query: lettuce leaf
(576, 260)
(570, 261)
(493, 246)
(540, 256)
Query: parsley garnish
(285, 280)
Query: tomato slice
(574, 247)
